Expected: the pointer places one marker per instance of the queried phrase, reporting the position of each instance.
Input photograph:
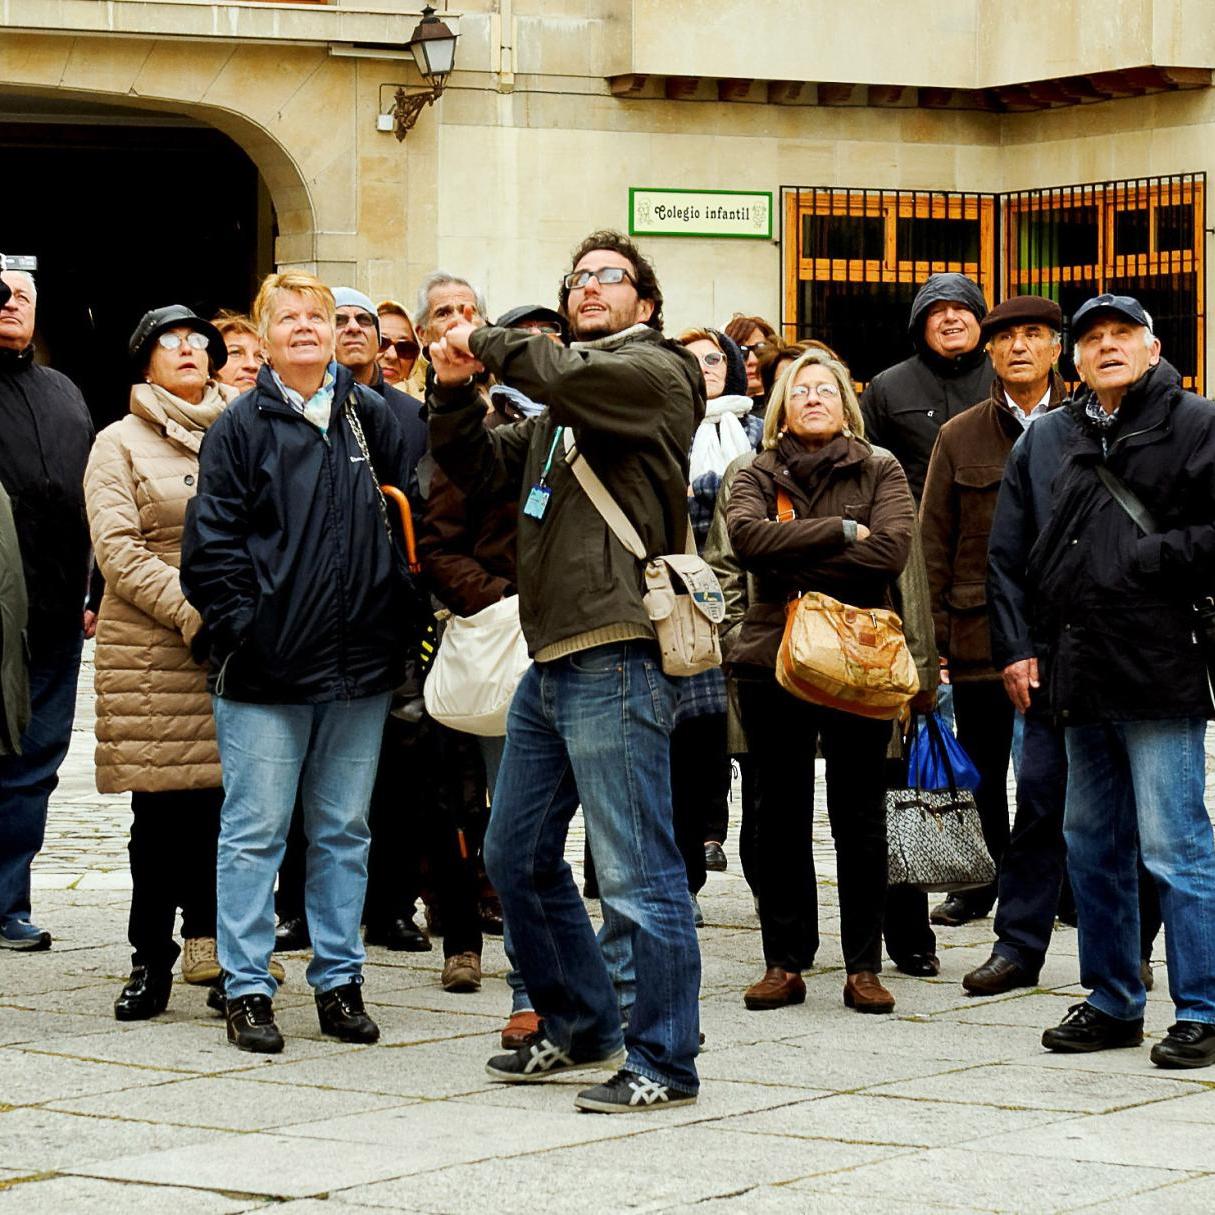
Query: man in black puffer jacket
(1112, 579)
(905, 405)
(47, 434)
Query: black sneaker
(251, 1025)
(627, 1092)
(342, 1015)
(1086, 1028)
(540, 1059)
(1187, 1044)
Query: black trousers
(700, 788)
(781, 736)
(748, 825)
(173, 842)
(429, 794)
(984, 716)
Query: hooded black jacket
(1111, 606)
(285, 555)
(45, 437)
(905, 405)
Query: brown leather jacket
(956, 513)
(467, 545)
(846, 480)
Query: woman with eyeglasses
(155, 732)
(850, 535)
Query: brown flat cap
(1021, 310)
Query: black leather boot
(145, 995)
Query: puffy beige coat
(154, 726)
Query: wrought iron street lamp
(434, 51)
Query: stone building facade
(557, 108)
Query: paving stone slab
(866, 1118)
(267, 1164)
(30, 1077)
(791, 1200)
(990, 1181)
(930, 1037)
(1131, 1137)
(1018, 1086)
(650, 1171)
(38, 1027)
(38, 1140)
(815, 1064)
(238, 1103)
(86, 1196)
(1196, 1197)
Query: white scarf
(720, 438)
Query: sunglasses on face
(364, 319)
(403, 346)
(171, 341)
(606, 276)
(759, 349)
(713, 358)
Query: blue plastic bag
(935, 758)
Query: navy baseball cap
(1125, 306)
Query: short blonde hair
(298, 282)
(688, 336)
(774, 419)
(227, 321)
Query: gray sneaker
(628, 1093)
(540, 1060)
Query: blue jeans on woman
(594, 727)
(329, 751)
(1141, 780)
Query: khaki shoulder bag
(843, 657)
(682, 595)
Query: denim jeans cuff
(640, 1069)
(251, 989)
(1122, 1013)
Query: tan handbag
(847, 658)
(682, 596)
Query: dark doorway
(123, 218)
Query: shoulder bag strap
(607, 506)
(1125, 497)
(784, 506)
(356, 428)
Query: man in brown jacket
(963, 480)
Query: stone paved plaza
(949, 1105)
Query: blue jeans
(329, 751)
(1145, 779)
(28, 780)
(595, 728)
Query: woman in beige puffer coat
(155, 734)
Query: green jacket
(14, 674)
(633, 401)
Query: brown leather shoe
(776, 989)
(520, 1029)
(865, 993)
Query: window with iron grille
(854, 259)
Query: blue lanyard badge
(540, 493)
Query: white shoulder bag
(682, 595)
(479, 663)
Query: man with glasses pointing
(591, 721)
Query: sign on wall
(741, 214)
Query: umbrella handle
(406, 511)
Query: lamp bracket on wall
(433, 46)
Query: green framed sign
(733, 214)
